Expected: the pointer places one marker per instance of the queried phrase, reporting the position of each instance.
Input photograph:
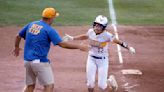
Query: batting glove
(132, 50)
(67, 38)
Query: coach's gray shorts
(38, 70)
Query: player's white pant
(100, 65)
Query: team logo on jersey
(103, 44)
(97, 44)
(35, 29)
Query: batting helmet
(49, 13)
(102, 20)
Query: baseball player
(97, 60)
(38, 35)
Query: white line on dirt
(114, 22)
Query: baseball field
(140, 24)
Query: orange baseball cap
(49, 13)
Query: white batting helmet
(101, 20)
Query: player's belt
(96, 57)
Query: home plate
(131, 71)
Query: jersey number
(100, 50)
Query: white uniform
(98, 58)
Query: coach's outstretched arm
(68, 45)
(125, 45)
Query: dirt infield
(69, 65)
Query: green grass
(72, 12)
(140, 12)
(82, 12)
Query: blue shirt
(38, 35)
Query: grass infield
(82, 12)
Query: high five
(97, 60)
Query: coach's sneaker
(112, 83)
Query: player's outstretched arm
(81, 37)
(124, 45)
(78, 37)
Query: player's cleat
(112, 83)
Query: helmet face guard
(103, 27)
(101, 20)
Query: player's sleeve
(89, 31)
(54, 37)
(110, 37)
(22, 32)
